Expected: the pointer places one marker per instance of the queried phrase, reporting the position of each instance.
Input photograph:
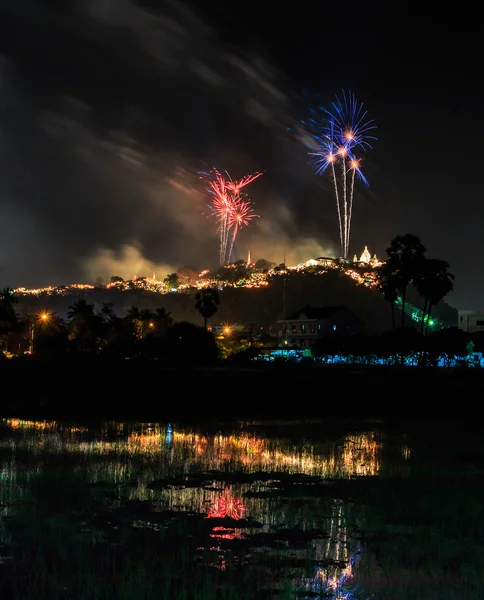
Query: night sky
(109, 108)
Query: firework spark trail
(240, 217)
(240, 213)
(337, 204)
(355, 167)
(345, 200)
(350, 210)
(356, 172)
(343, 126)
(327, 155)
(220, 207)
(236, 186)
(229, 208)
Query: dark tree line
(87, 331)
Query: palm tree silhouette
(405, 257)
(80, 311)
(7, 300)
(107, 312)
(387, 284)
(8, 316)
(162, 320)
(147, 324)
(206, 302)
(84, 324)
(134, 317)
(433, 283)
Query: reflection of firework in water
(337, 133)
(337, 579)
(339, 584)
(227, 505)
(230, 207)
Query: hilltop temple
(366, 258)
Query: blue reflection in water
(169, 434)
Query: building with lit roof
(304, 327)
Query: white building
(304, 327)
(471, 321)
(367, 259)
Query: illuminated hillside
(237, 275)
(248, 294)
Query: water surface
(246, 510)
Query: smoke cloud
(128, 263)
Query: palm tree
(134, 317)
(7, 300)
(387, 284)
(109, 324)
(433, 283)
(405, 258)
(206, 302)
(7, 295)
(163, 320)
(147, 323)
(107, 313)
(80, 313)
(8, 316)
(80, 309)
(84, 325)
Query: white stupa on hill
(366, 258)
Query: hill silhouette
(260, 306)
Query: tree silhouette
(7, 312)
(206, 302)
(8, 316)
(80, 310)
(405, 258)
(84, 325)
(162, 320)
(134, 317)
(147, 324)
(107, 312)
(387, 284)
(7, 296)
(188, 344)
(433, 282)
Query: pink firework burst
(229, 207)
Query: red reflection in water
(226, 505)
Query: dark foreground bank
(147, 390)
